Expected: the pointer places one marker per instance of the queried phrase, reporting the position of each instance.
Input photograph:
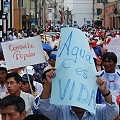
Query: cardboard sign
(75, 81)
(114, 46)
(23, 52)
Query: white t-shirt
(113, 81)
(3, 90)
(52, 44)
(29, 101)
(38, 86)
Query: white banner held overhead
(23, 52)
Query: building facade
(6, 15)
(111, 15)
(34, 13)
(82, 13)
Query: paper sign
(114, 46)
(23, 52)
(75, 81)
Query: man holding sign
(75, 83)
(107, 111)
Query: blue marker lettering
(74, 52)
(64, 63)
(85, 75)
(79, 71)
(92, 97)
(88, 57)
(72, 90)
(80, 99)
(65, 89)
(82, 53)
(65, 45)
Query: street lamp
(36, 22)
(55, 7)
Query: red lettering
(10, 47)
(18, 55)
(19, 47)
(15, 55)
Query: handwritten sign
(114, 46)
(75, 81)
(23, 52)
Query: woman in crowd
(27, 86)
(98, 64)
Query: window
(20, 1)
(99, 11)
(102, 1)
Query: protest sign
(114, 46)
(75, 81)
(23, 52)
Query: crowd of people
(26, 95)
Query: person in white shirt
(52, 42)
(3, 73)
(13, 82)
(15, 36)
(111, 75)
(10, 37)
(38, 86)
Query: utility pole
(1, 23)
(93, 11)
(62, 11)
(11, 14)
(104, 11)
(20, 14)
(54, 12)
(6, 16)
(40, 12)
(44, 13)
(30, 13)
(36, 22)
(67, 15)
(71, 20)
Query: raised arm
(47, 82)
(105, 92)
(110, 111)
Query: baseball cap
(25, 78)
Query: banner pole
(29, 81)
